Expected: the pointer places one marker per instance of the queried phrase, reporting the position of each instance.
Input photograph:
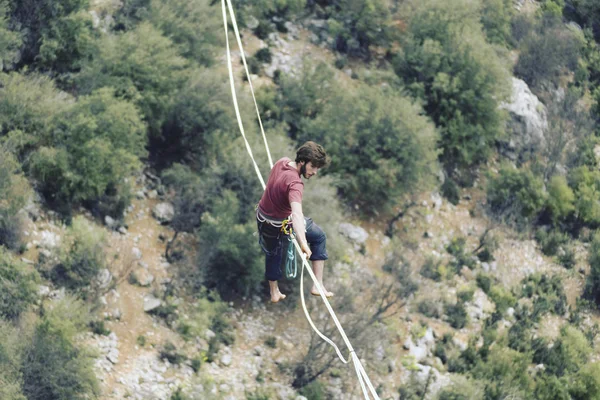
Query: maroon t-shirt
(283, 187)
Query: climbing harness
(363, 379)
(289, 260)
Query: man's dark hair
(313, 153)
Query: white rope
(360, 371)
(239, 42)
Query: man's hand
(305, 249)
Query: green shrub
(258, 394)
(496, 16)
(446, 61)
(456, 248)
(380, 155)
(14, 194)
(592, 289)
(314, 391)
(194, 26)
(515, 195)
(99, 328)
(94, 145)
(142, 66)
(549, 387)
(82, 255)
(358, 25)
(429, 308)
(11, 354)
(465, 294)
(551, 241)
(18, 287)
(271, 342)
(10, 41)
(432, 269)
(586, 383)
(484, 282)
(57, 35)
(169, 353)
(502, 298)
(230, 257)
(561, 199)
(450, 191)
(54, 367)
(548, 51)
(457, 315)
(569, 353)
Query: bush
(429, 308)
(142, 66)
(433, 269)
(14, 194)
(549, 50)
(384, 148)
(11, 354)
(57, 35)
(358, 25)
(169, 353)
(551, 241)
(515, 195)
(496, 16)
(229, 256)
(586, 383)
(53, 366)
(314, 391)
(18, 287)
(457, 315)
(502, 298)
(94, 146)
(450, 191)
(456, 248)
(82, 256)
(198, 124)
(446, 61)
(592, 288)
(561, 199)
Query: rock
(300, 398)
(122, 230)
(209, 334)
(353, 232)
(110, 222)
(163, 212)
(143, 277)
(527, 123)
(510, 312)
(152, 194)
(113, 356)
(32, 210)
(49, 240)
(140, 195)
(43, 291)
(151, 303)
(137, 253)
(225, 360)
(252, 22)
(27, 261)
(103, 278)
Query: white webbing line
(360, 371)
(239, 42)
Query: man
(281, 199)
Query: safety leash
(363, 379)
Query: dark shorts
(271, 241)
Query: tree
(382, 146)
(17, 287)
(57, 34)
(53, 366)
(10, 41)
(81, 257)
(142, 66)
(446, 61)
(14, 194)
(93, 146)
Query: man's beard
(303, 171)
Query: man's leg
(318, 266)
(317, 240)
(271, 246)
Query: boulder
(527, 122)
(151, 303)
(353, 232)
(103, 278)
(163, 212)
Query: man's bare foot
(277, 296)
(315, 292)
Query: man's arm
(299, 227)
